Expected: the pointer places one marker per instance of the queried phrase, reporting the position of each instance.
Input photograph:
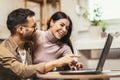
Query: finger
(75, 56)
(80, 65)
(74, 68)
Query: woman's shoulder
(39, 33)
(63, 45)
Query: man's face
(29, 29)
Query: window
(110, 8)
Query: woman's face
(59, 28)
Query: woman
(55, 42)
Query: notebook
(101, 62)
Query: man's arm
(68, 59)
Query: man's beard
(29, 38)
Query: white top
(22, 55)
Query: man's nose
(35, 29)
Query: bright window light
(110, 8)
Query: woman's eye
(67, 28)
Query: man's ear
(20, 29)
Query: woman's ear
(52, 23)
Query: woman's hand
(75, 65)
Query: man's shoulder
(3, 44)
(5, 51)
(4, 47)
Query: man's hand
(67, 59)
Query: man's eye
(62, 25)
(34, 26)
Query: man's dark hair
(17, 17)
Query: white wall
(5, 7)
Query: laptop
(101, 62)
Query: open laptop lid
(101, 62)
(105, 51)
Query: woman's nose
(64, 29)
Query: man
(16, 51)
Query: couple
(16, 52)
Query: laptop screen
(104, 53)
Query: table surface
(105, 74)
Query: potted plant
(97, 14)
(103, 25)
(97, 24)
